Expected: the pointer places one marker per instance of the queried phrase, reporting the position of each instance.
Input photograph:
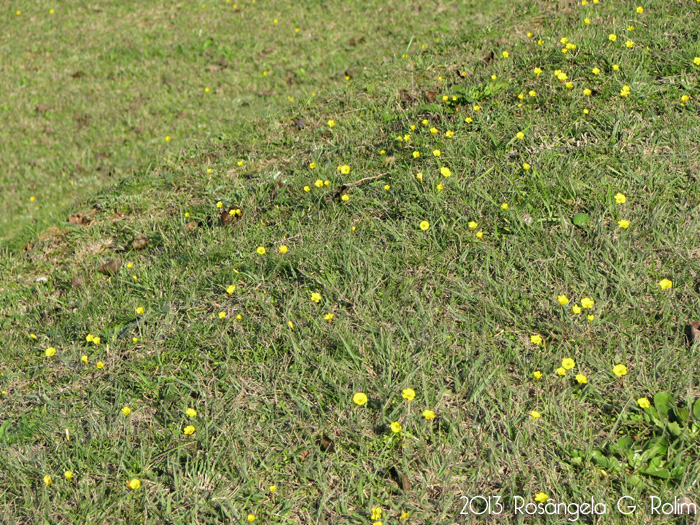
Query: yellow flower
(239, 317)
(476, 107)
(404, 515)
(424, 225)
(619, 370)
(312, 165)
(167, 139)
(47, 480)
(445, 171)
(537, 71)
(96, 340)
(273, 488)
(585, 111)
(68, 474)
(526, 166)
(504, 206)
(331, 123)
(189, 430)
(419, 176)
(576, 309)
(89, 338)
(505, 54)
(449, 133)
(376, 513)
(587, 92)
(191, 412)
(696, 61)
(534, 414)
(440, 187)
(616, 67)
(640, 9)
(387, 187)
(126, 411)
(436, 153)
(424, 122)
(473, 225)
(251, 518)
(222, 315)
(587, 303)
(561, 371)
(643, 402)
(416, 154)
(428, 414)
(219, 204)
(665, 284)
(445, 98)
(328, 317)
(433, 130)
(240, 163)
(567, 363)
(537, 374)
(283, 249)
(595, 70)
(231, 289)
(468, 120)
(563, 300)
(290, 325)
(587, 21)
(582, 380)
(360, 398)
(134, 484)
(260, 250)
(396, 427)
(84, 359)
(623, 224)
(100, 365)
(479, 234)
(345, 198)
(344, 169)
(135, 340)
(520, 135)
(536, 339)
(50, 351)
(612, 37)
(540, 42)
(307, 189)
(629, 44)
(590, 318)
(541, 497)
(316, 297)
(318, 183)
(408, 394)
(140, 310)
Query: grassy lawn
(481, 216)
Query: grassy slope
(440, 311)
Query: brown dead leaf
(230, 215)
(431, 95)
(109, 267)
(289, 79)
(400, 478)
(299, 123)
(304, 454)
(215, 68)
(692, 332)
(79, 218)
(140, 242)
(79, 281)
(192, 225)
(326, 444)
(78, 74)
(42, 108)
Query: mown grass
(442, 311)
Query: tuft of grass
(451, 311)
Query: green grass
(441, 311)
